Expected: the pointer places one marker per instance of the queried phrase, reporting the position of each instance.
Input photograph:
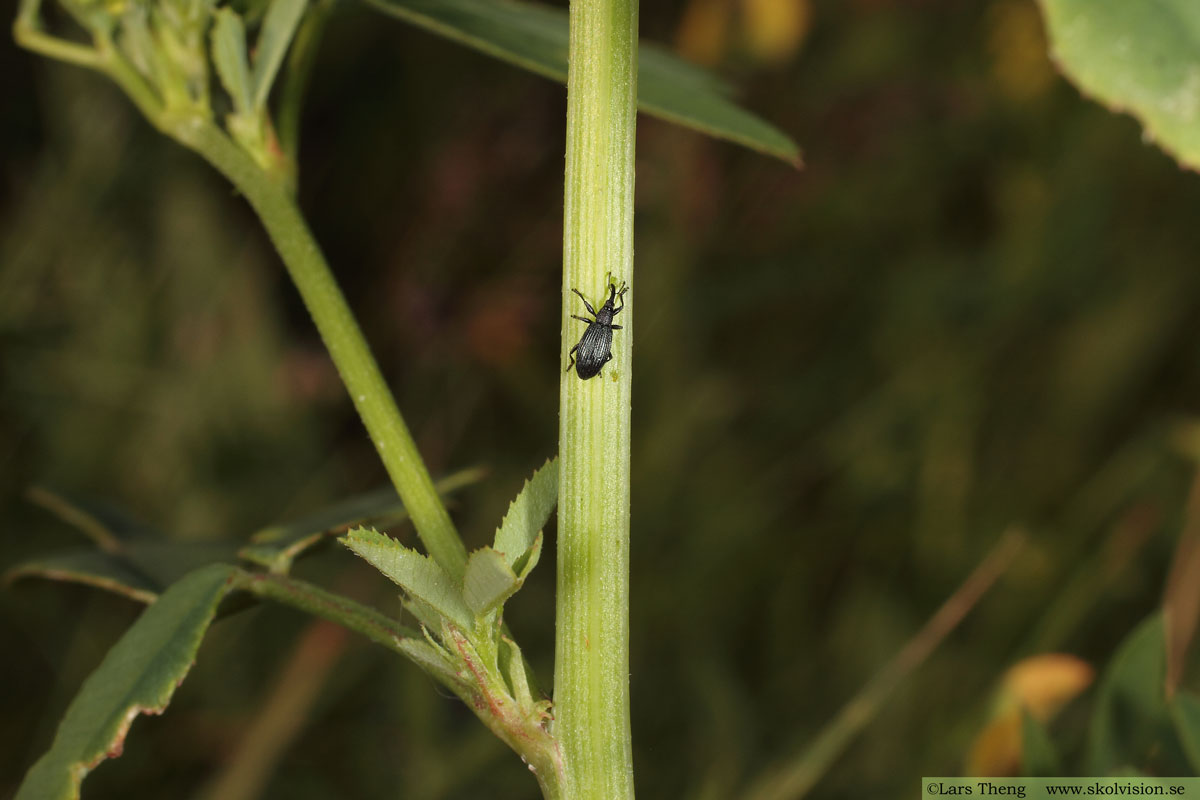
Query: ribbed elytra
(595, 347)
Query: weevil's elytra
(595, 347)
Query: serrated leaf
(528, 513)
(96, 568)
(278, 546)
(138, 676)
(1131, 725)
(229, 57)
(1039, 758)
(1185, 712)
(525, 564)
(279, 25)
(488, 581)
(1140, 57)
(417, 574)
(534, 37)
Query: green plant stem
(327, 605)
(591, 678)
(308, 269)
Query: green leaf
(528, 513)
(1185, 712)
(1131, 725)
(274, 38)
(91, 567)
(1039, 757)
(417, 574)
(512, 669)
(488, 581)
(138, 676)
(278, 546)
(229, 57)
(534, 37)
(432, 660)
(525, 564)
(1140, 57)
(139, 571)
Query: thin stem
(342, 336)
(591, 680)
(30, 37)
(271, 199)
(327, 605)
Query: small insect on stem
(595, 347)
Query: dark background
(975, 308)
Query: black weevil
(595, 347)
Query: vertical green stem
(591, 680)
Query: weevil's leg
(583, 319)
(615, 327)
(591, 310)
(621, 297)
(572, 355)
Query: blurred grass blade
(96, 568)
(1039, 758)
(138, 676)
(106, 526)
(278, 546)
(1181, 601)
(488, 581)
(1131, 724)
(1138, 57)
(1185, 711)
(229, 57)
(796, 776)
(279, 25)
(417, 574)
(534, 37)
(527, 513)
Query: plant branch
(591, 680)
(341, 334)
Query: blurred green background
(976, 307)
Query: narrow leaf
(534, 37)
(488, 581)
(512, 668)
(278, 27)
(1039, 758)
(1139, 57)
(92, 568)
(229, 56)
(527, 514)
(139, 570)
(278, 546)
(417, 574)
(1185, 711)
(431, 660)
(138, 676)
(106, 526)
